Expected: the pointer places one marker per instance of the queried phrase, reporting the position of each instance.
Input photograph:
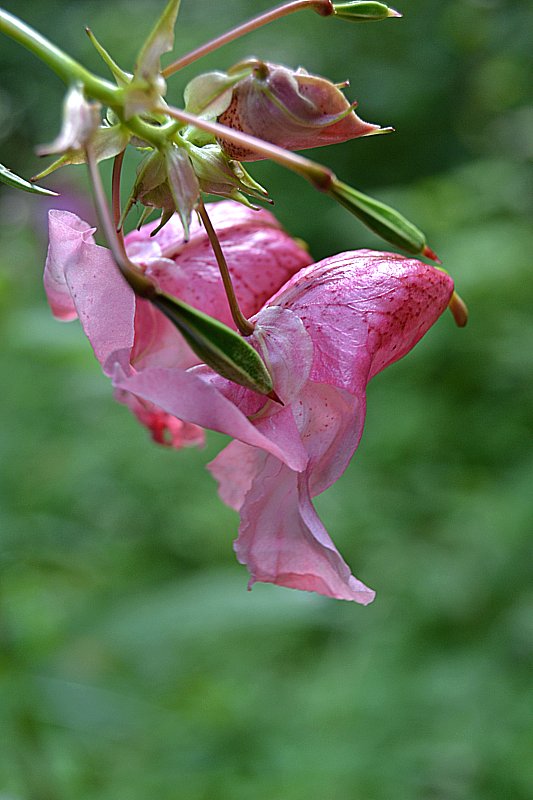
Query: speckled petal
(364, 310)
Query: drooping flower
(290, 108)
(324, 335)
(81, 279)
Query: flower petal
(193, 398)
(281, 539)
(364, 310)
(291, 109)
(81, 279)
(261, 257)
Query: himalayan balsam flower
(324, 335)
(260, 256)
(292, 109)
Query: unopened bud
(216, 345)
(289, 108)
(380, 218)
(219, 175)
(166, 180)
(364, 12)
(183, 184)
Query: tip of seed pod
(459, 310)
(429, 253)
(393, 13)
(273, 396)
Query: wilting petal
(281, 539)
(291, 109)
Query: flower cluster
(214, 317)
(324, 330)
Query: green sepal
(380, 218)
(16, 182)
(183, 184)
(216, 345)
(363, 11)
(209, 95)
(121, 77)
(148, 87)
(107, 142)
(159, 41)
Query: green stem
(140, 284)
(245, 327)
(63, 65)
(70, 72)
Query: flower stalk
(140, 284)
(115, 198)
(322, 7)
(244, 326)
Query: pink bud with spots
(290, 108)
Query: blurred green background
(134, 664)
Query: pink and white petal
(330, 422)
(234, 470)
(104, 302)
(286, 348)
(282, 540)
(67, 233)
(364, 310)
(193, 398)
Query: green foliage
(133, 663)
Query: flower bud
(289, 108)
(167, 181)
(216, 345)
(363, 12)
(219, 175)
(382, 219)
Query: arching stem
(244, 326)
(140, 284)
(115, 198)
(322, 7)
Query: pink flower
(81, 279)
(292, 109)
(324, 335)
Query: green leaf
(380, 218)
(6, 176)
(217, 345)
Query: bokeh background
(134, 664)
